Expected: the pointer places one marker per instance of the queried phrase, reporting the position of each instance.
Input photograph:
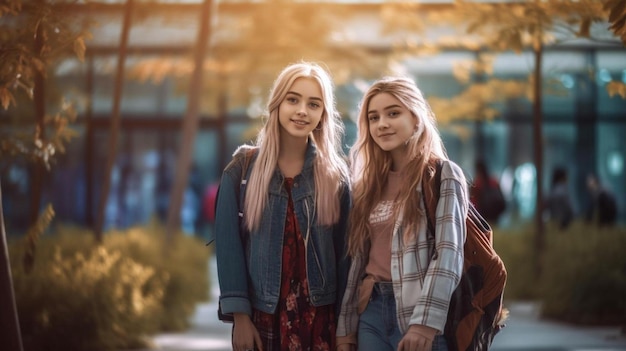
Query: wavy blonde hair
(371, 165)
(330, 168)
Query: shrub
(94, 302)
(515, 249)
(185, 264)
(584, 278)
(84, 296)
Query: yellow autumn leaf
(79, 48)
(463, 132)
(616, 88)
(6, 98)
(462, 71)
(490, 113)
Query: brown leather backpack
(476, 312)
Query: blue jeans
(378, 326)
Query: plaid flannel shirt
(423, 285)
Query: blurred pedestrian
(283, 273)
(486, 194)
(558, 204)
(602, 209)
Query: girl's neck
(291, 156)
(291, 147)
(399, 160)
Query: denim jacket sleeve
(229, 247)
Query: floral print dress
(297, 324)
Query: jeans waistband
(383, 288)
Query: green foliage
(617, 17)
(515, 249)
(35, 37)
(33, 235)
(583, 272)
(584, 276)
(95, 302)
(84, 296)
(488, 28)
(184, 265)
(250, 46)
(517, 26)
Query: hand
(415, 341)
(245, 335)
(346, 347)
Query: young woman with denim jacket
(400, 282)
(284, 277)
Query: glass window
(610, 66)
(610, 161)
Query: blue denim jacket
(251, 277)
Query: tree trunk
(189, 128)
(10, 335)
(538, 154)
(114, 129)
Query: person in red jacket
(208, 208)
(208, 202)
(486, 194)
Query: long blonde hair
(371, 165)
(330, 168)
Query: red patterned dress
(297, 325)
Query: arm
(418, 338)
(445, 268)
(231, 262)
(229, 249)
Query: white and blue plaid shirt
(423, 285)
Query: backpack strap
(241, 190)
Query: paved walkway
(524, 331)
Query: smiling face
(391, 124)
(302, 108)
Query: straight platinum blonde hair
(371, 165)
(330, 167)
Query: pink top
(381, 222)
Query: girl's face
(391, 124)
(301, 110)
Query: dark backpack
(476, 313)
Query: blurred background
(122, 114)
(480, 84)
